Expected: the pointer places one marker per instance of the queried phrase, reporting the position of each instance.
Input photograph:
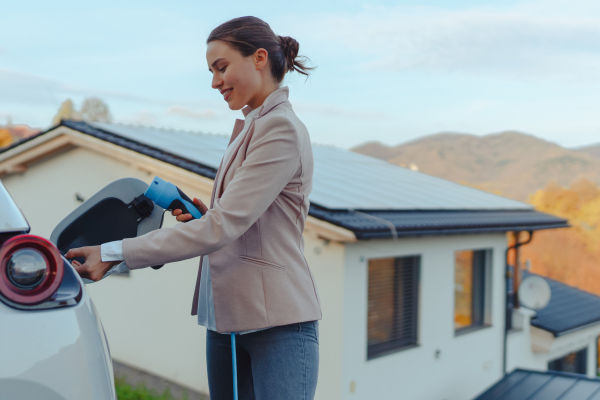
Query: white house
(411, 269)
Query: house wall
(532, 348)
(467, 364)
(146, 316)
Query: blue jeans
(279, 363)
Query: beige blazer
(253, 228)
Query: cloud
(143, 117)
(30, 88)
(515, 42)
(334, 111)
(189, 113)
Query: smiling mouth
(227, 93)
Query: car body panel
(11, 217)
(63, 351)
(54, 353)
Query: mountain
(593, 150)
(513, 164)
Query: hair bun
(290, 48)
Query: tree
(5, 137)
(569, 255)
(94, 109)
(66, 111)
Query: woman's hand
(93, 268)
(185, 217)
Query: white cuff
(112, 251)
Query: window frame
(400, 344)
(482, 316)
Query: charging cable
(234, 364)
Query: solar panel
(342, 179)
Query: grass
(141, 392)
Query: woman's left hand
(93, 268)
(186, 217)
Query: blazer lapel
(225, 163)
(215, 183)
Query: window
(469, 289)
(598, 356)
(393, 304)
(575, 362)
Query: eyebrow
(216, 61)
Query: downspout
(515, 298)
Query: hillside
(569, 255)
(513, 164)
(593, 150)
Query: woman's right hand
(186, 217)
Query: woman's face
(238, 78)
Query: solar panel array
(342, 179)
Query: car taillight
(31, 269)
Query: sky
(389, 71)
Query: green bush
(140, 392)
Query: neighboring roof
(551, 385)
(569, 309)
(368, 196)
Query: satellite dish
(534, 292)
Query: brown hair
(248, 34)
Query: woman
(253, 278)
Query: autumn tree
(5, 137)
(66, 111)
(570, 255)
(94, 109)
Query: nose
(216, 81)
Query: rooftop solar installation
(342, 179)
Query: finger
(176, 211)
(78, 252)
(201, 205)
(76, 263)
(82, 270)
(184, 217)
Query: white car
(52, 344)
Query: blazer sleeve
(272, 159)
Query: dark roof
(150, 151)
(551, 385)
(370, 224)
(569, 309)
(366, 224)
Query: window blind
(575, 363)
(393, 304)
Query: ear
(260, 58)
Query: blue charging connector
(170, 197)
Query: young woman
(253, 277)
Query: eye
(222, 69)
